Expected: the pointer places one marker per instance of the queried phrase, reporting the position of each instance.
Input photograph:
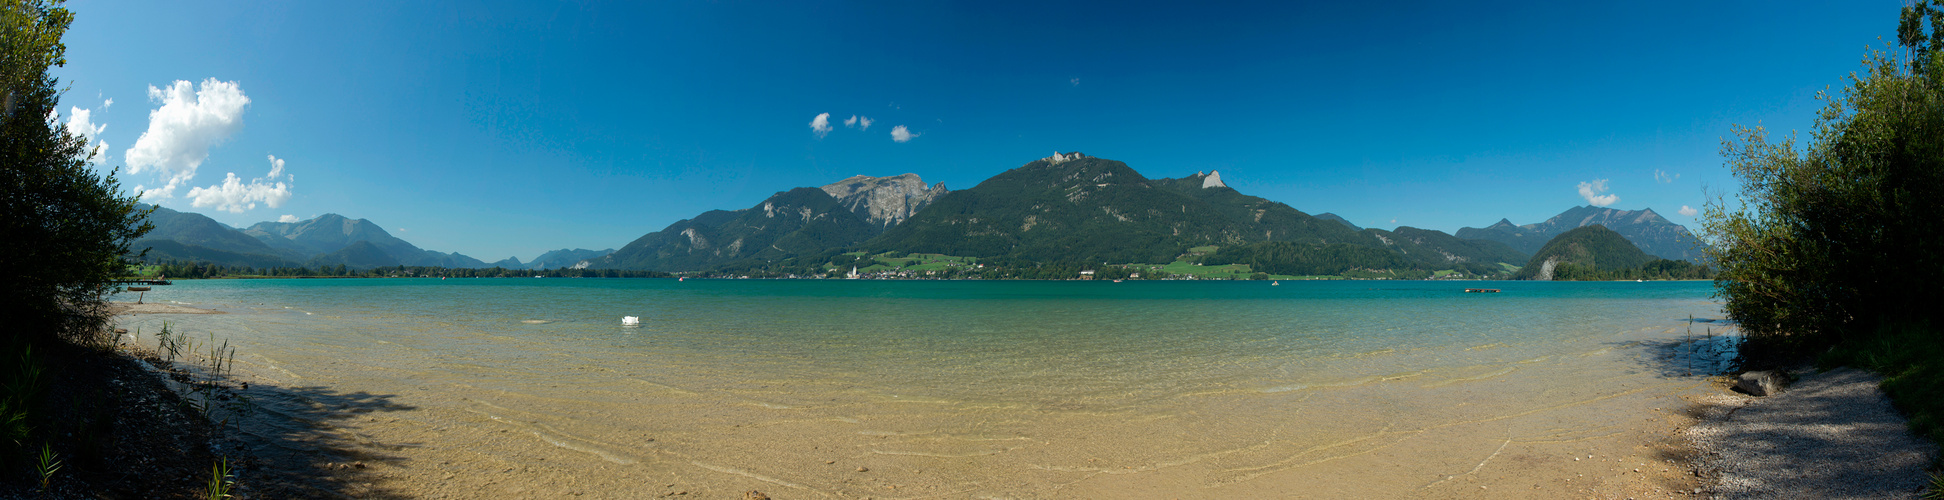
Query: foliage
(22, 395)
(66, 227)
(46, 465)
(1840, 235)
(221, 481)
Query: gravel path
(1830, 435)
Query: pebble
(863, 469)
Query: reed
(221, 481)
(46, 466)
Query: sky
(510, 129)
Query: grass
(1910, 356)
(46, 465)
(221, 481)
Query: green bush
(1839, 235)
(66, 227)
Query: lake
(955, 389)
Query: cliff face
(884, 201)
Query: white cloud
(236, 197)
(81, 124)
(287, 219)
(1076, 82)
(858, 122)
(191, 120)
(1591, 191)
(107, 103)
(902, 134)
(820, 125)
(1688, 211)
(1663, 177)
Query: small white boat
(630, 321)
(1275, 283)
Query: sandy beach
(334, 424)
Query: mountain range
(1646, 229)
(327, 240)
(1066, 207)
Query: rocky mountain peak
(1213, 180)
(884, 201)
(1058, 158)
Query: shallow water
(973, 389)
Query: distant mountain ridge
(330, 233)
(189, 236)
(1073, 206)
(1593, 246)
(1644, 228)
(794, 222)
(565, 258)
(1068, 206)
(327, 240)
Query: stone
(755, 495)
(1761, 383)
(884, 201)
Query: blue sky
(520, 127)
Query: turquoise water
(1205, 384)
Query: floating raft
(1481, 290)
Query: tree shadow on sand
(299, 441)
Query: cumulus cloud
(1663, 177)
(820, 125)
(1591, 191)
(1688, 211)
(902, 134)
(236, 197)
(81, 124)
(287, 218)
(192, 119)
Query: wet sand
(394, 419)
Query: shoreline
(1635, 456)
(1650, 454)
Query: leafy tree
(1839, 235)
(65, 227)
